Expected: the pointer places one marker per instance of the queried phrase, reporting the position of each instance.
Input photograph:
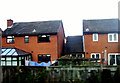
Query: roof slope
(33, 28)
(74, 44)
(100, 26)
(13, 52)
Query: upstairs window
(113, 37)
(95, 37)
(43, 38)
(44, 58)
(26, 39)
(10, 39)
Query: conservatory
(14, 57)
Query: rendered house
(74, 46)
(101, 40)
(43, 39)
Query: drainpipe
(105, 57)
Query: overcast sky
(71, 12)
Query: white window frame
(112, 37)
(94, 37)
(115, 57)
(95, 56)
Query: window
(10, 39)
(112, 37)
(26, 39)
(95, 37)
(96, 56)
(44, 58)
(43, 38)
(114, 58)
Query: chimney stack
(9, 22)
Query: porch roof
(13, 52)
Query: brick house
(101, 40)
(43, 39)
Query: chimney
(9, 22)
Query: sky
(71, 12)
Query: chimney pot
(9, 22)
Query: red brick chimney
(9, 22)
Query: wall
(34, 47)
(60, 41)
(99, 46)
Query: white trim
(112, 37)
(94, 37)
(84, 43)
(115, 57)
(95, 56)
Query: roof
(13, 52)
(74, 44)
(100, 26)
(33, 28)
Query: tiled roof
(33, 28)
(13, 52)
(100, 26)
(74, 44)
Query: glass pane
(15, 53)
(19, 63)
(19, 58)
(14, 58)
(93, 56)
(4, 53)
(112, 59)
(9, 36)
(115, 37)
(110, 37)
(8, 58)
(11, 52)
(2, 58)
(3, 50)
(95, 37)
(26, 36)
(8, 63)
(22, 57)
(118, 59)
(3, 63)
(14, 63)
(97, 56)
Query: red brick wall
(61, 37)
(53, 47)
(99, 46)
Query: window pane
(112, 59)
(19, 63)
(2, 58)
(93, 56)
(3, 63)
(14, 63)
(19, 58)
(97, 56)
(26, 39)
(14, 58)
(8, 63)
(110, 37)
(95, 37)
(8, 58)
(115, 37)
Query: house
(101, 40)
(44, 40)
(74, 46)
